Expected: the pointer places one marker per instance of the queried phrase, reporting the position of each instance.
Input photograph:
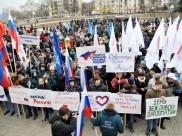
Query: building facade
(64, 7)
(116, 6)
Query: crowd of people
(40, 71)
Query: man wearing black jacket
(63, 124)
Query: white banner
(91, 55)
(71, 99)
(25, 39)
(39, 98)
(2, 95)
(127, 103)
(159, 108)
(98, 100)
(19, 95)
(120, 62)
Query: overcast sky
(17, 3)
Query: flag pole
(95, 127)
(125, 124)
(23, 112)
(1, 110)
(42, 114)
(14, 59)
(159, 127)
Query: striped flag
(84, 111)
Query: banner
(25, 39)
(2, 95)
(127, 103)
(72, 100)
(91, 55)
(120, 62)
(159, 108)
(98, 100)
(19, 95)
(39, 98)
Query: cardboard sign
(71, 99)
(127, 103)
(25, 39)
(120, 62)
(2, 95)
(19, 95)
(98, 100)
(91, 55)
(39, 98)
(159, 108)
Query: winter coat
(60, 127)
(54, 82)
(75, 88)
(100, 88)
(76, 72)
(109, 122)
(45, 87)
(153, 93)
(141, 84)
(26, 83)
(41, 73)
(34, 82)
(115, 84)
(170, 88)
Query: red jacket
(115, 84)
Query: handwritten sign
(98, 100)
(25, 39)
(91, 55)
(72, 100)
(39, 98)
(120, 62)
(19, 95)
(2, 95)
(127, 103)
(158, 108)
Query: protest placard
(25, 39)
(91, 55)
(2, 95)
(127, 103)
(98, 100)
(158, 108)
(39, 98)
(120, 62)
(71, 99)
(19, 95)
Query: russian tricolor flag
(84, 111)
(13, 33)
(68, 70)
(83, 78)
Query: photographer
(63, 123)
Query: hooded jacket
(61, 127)
(153, 93)
(109, 122)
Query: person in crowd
(43, 84)
(94, 73)
(151, 73)
(72, 86)
(118, 82)
(109, 121)
(42, 70)
(152, 81)
(141, 84)
(127, 89)
(155, 92)
(63, 123)
(143, 66)
(97, 86)
(138, 70)
(53, 79)
(76, 72)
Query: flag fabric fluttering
(124, 40)
(12, 32)
(157, 43)
(57, 53)
(83, 78)
(68, 68)
(112, 41)
(2, 28)
(129, 30)
(96, 43)
(109, 28)
(68, 27)
(84, 111)
(90, 28)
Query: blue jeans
(6, 104)
(154, 123)
(129, 119)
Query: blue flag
(57, 53)
(109, 28)
(91, 28)
(68, 27)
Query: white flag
(125, 47)
(177, 35)
(157, 43)
(129, 30)
(138, 34)
(95, 37)
(112, 42)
